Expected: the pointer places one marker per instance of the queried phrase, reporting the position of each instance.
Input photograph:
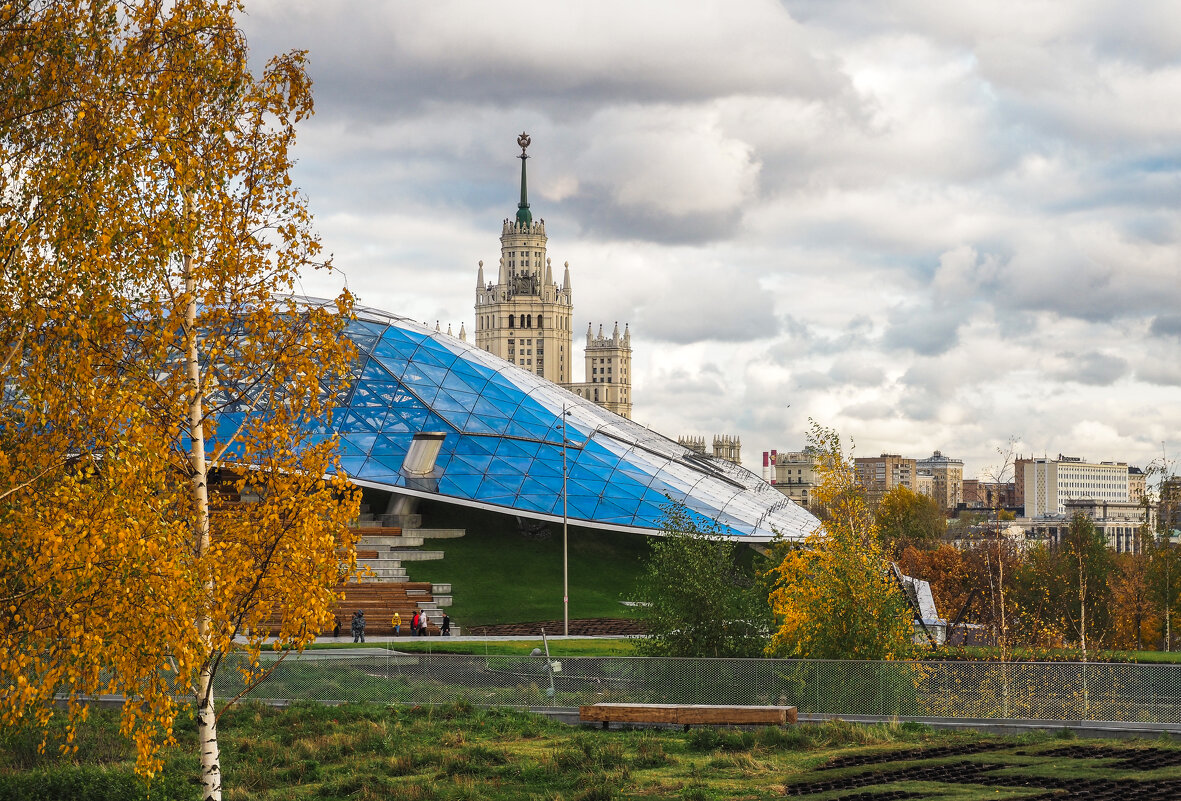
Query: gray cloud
(704, 383)
(856, 372)
(741, 314)
(870, 410)
(1096, 369)
(812, 380)
(380, 61)
(926, 331)
(1163, 373)
(1166, 325)
(807, 199)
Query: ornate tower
(608, 370)
(525, 317)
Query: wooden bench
(376, 531)
(688, 714)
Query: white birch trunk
(206, 712)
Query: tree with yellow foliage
(149, 235)
(835, 597)
(904, 518)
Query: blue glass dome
(503, 443)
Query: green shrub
(91, 784)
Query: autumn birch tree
(1086, 565)
(150, 236)
(835, 597)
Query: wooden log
(629, 713)
(737, 715)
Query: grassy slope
(498, 576)
(456, 753)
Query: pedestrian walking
(397, 621)
(358, 626)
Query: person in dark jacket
(358, 626)
(445, 630)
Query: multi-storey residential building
(924, 483)
(988, 494)
(527, 318)
(1137, 484)
(948, 475)
(1019, 480)
(1050, 483)
(880, 474)
(1170, 503)
(793, 473)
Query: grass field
(499, 576)
(441, 645)
(457, 752)
(987, 654)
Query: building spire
(524, 216)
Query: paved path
(436, 640)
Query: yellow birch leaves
(834, 596)
(133, 137)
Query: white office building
(1050, 483)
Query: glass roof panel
(618, 472)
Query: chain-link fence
(1013, 690)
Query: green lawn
(499, 576)
(368, 752)
(990, 654)
(441, 645)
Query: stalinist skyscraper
(527, 318)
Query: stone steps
(384, 544)
(416, 556)
(387, 569)
(440, 533)
(402, 541)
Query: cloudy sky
(925, 224)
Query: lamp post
(565, 559)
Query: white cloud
(929, 225)
(669, 160)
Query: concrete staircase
(383, 587)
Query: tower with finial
(526, 317)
